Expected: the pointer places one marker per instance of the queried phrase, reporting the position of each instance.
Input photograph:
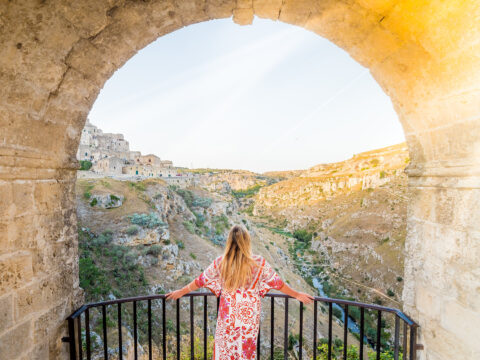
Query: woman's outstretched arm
(303, 297)
(177, 294)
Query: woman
(242, 279)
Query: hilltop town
(108, 154)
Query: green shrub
(193, 256)
(154, 250)
(382, 174)
(189, 226)
(146, 220)
(247, 193)
(140, 186)
(85, 165)
(249, 209)
(221, 224)
(399, 279)
(108, 233)
(180, 244)
(87, 195)
(133, 230)
(187, 196)
(93, 202)
(107, 268)
(202, 202)
(302, 235)
(390, 293)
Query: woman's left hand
(174, 295)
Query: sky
(263, 97)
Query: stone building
(109, 165)
(57, 55)
(96, 145)
(110, 154)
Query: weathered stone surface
(6, 312)
(15, 269)
(56, 55)
(16, 341)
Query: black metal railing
(404, 335)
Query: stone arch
(57, 55)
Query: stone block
(23, 197)
(77, 91)
(89, 60)
(451, 29)
(48, 196)
(17, 341)
(40, 294)
(243, 16)
(297, 12)
(22, 95)
(463, 322)
(191, 11)
(88, 17)
(219, 9)
(379, 6)
(15, 270)
(7, 208)
(268, 9)
(46, 325)
(428, 302)
(38, 352)
(40, 138)
(6, 312)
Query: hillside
(355, 212)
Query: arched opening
(423, 56)
(146, 118)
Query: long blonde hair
(237, 261)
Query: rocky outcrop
(106, 201)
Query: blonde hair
(237, 261)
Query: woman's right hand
(304, 298)
(174, 295)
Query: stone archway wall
(56, 55)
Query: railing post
(178, 329)
(345, 333)
(300, 338)
(149, 315)
(314, 330)
(285, 341)
(413, 343)
(205, 327)
(272, 329)
(104, 323)
(120, 344)
(397, 338)
(192, 335)
(135, 335)
(379, 334)
(87, 330)
(330, 311)
(79, 332)
(362, 330)
(71, 335)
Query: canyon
(335, 230)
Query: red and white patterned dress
(239, 311)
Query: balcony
(402, 342)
